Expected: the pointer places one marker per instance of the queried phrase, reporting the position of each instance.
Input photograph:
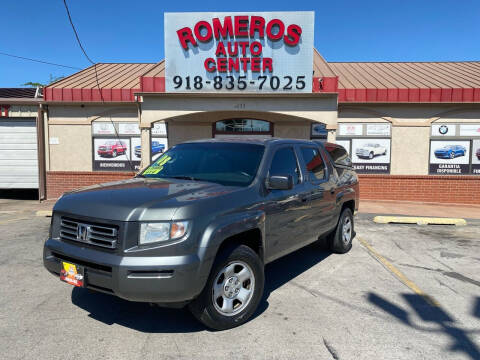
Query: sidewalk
(411, 208)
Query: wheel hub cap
(233, 288)
(347, 230)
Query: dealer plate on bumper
(72, 274)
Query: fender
(220, 230)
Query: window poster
(449, 157)
(476, 157)
(371, 155)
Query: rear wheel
(340, 239)
(233, 290)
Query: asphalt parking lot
(403, 292)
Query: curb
(418, 220)
(46, 213)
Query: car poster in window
(103, 128)
(476, 157)
(444, 130)
(112, 154)
(371, 155)
(159, 146)
(136, 149)
(449, 157)
(128, 129)
(345, 144)
(378, 129)
(350, 129)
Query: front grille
(89, 233)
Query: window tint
(285, 163)
(339, 154)
(314, 162)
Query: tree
(38, 84)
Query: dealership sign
(239, 52)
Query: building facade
(412, 129)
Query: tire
(370, 156)
(208, 306)
(341, 242)
(114, 153)
(452, 155)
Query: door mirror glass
(280, 182)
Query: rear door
(18, 154)
(322, 190)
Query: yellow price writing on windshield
(157, 166)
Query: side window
(285, 163)
(314, 162)
(339, 154)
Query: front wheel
(370, 156)
(341, 238)
(233, 290)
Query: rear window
(338, 154)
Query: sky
(132, 31)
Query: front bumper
(442, 155)
(104, 152)
(148, 279)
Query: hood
(137, 199)
(444, 149)
(138, 147)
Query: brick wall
(429, 188)
(60, 181)
(445, 189)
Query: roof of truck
(245, 139)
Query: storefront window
(239, 126)
(454, 149)
(368, 144)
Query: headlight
(157, 232)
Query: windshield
(231, 164)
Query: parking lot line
(12, 220)
(397, 273)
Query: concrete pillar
(146, 147)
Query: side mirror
(280, 182)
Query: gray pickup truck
(199, 224)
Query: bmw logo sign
(443, 129)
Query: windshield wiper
(184, 177)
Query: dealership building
(412, 128)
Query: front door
(285, 209)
